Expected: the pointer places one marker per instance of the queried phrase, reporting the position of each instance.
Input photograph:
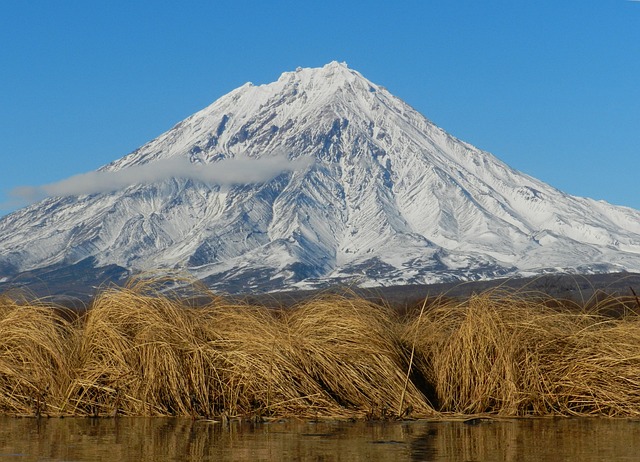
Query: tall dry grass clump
(328, 357)
(36, 346)
(141, 353)
(251, 369)
(597, 370)
(351, 348)
(513, 354)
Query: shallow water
(156, 439)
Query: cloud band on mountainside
(227, 172)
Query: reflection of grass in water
(144, 439)
(137, 352)
(581, 439)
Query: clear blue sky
(551, 87)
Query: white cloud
(226, 172)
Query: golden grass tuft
(134, 356)
(351, 348)
(36, 347)
(512, 354)
(140, 351)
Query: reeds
(138, 351)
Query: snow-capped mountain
(366, 189)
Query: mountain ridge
(388, 198)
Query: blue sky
(550, 87)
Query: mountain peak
(328, 69)
(331, 76)
(336, 65)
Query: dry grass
(352, 349)
(35, 352)
(512, 354)
(137, 351)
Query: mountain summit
(317, 178)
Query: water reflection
(158, 439)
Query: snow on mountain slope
(389, 198)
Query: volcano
(363, 190)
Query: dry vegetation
(136, 351)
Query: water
(159, 439)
